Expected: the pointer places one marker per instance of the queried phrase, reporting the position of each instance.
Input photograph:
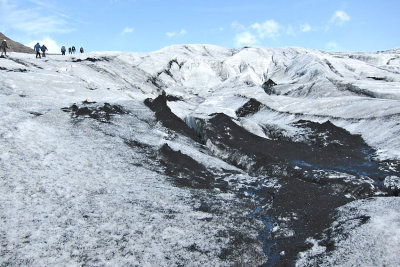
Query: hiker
(63, 50)
(37, 49)
(44, 49)
(69, 50)
(3, 47)
(81, 50)
(73, 49)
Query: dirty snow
(73, 192)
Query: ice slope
(359, 92)
(369, 226)
(74, 191)
(79, 190)
(360, 88)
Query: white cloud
(41, 18)
(332, 46)
(173, 34)
(237, 26)
(245, 38)
(269, 28)
(305, 27)
(35, 24)
(40, 3)
(340, 17)
(51, 45)
(258, 31)
(290, 30)
(127, 30)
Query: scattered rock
(252, 106)
(393, 184)
(184, 170)
(37, 114)
(168, 118)
(13, 70)
(172, 98)
(91, 59)
(89, 109)
(378, 78)
(306, 191)
(204, 207)
(268, 86)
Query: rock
(252, 106)
(184, 170)
(168, 118)
(268, 86)
(393, 184)
(97, 112)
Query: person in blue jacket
(37, 49)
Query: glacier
(200, 155)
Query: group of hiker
(71, 50)
(43, 48)
(39, 48)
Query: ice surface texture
(247, 159)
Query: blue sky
(148, 25)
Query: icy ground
(97, 169)
(361, 226)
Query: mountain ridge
(15, 46)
